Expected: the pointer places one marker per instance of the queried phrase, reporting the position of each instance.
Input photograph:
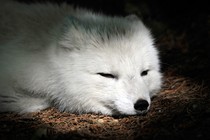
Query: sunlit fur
(52, 55)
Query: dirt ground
(180, 111)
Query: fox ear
(132, 17)
(71, 38)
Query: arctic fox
(75, 60)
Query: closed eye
(107, 75)
(144, 73)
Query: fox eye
(144, 73)
(107, 75)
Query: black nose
(141, 105)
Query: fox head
(106, 65)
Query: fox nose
(141, 105)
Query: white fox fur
(75, 60)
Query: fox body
(75, 60)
